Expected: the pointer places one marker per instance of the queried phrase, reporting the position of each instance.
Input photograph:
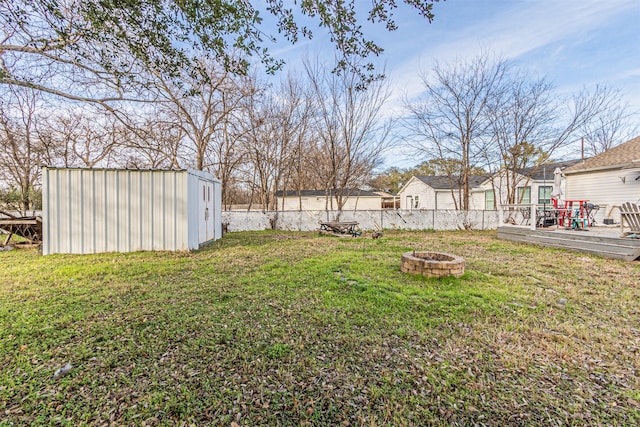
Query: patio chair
(630, 213)
(591, 211)
(526, 215)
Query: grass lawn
(276, 328)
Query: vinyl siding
(320, 203)
(415, 187)
(605, 188)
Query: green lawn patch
(279, 328)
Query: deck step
(625, 249)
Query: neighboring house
(532, 185)
(319, 200)
(608, 179)
(436, 192)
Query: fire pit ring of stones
(432, 264)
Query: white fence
(367, 220)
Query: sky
(575, 44)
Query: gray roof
(538, 173)
(349, 192)
(625, 155)
(446, 183)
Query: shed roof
(198, 173)
(622, 156)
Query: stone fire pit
(432, 264)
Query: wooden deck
(29, 228)
(604, 242)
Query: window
(416, 202)
(524, 195)
(490, 200)
(544, 195)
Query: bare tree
(196, 109)
(208, 115)
(153, 141)
(349, 127)
(448, 122)
(523, 116)
(530, 123)
(227, 154)
(20, 145)
(296, 112)
(483, 113)
(613, 124)
(83, 138)
(278, 121)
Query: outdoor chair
(630, 214)
(526, 215)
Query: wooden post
(532, 218)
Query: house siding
(499, 181)
(445, 200)
(605, 188)
(319, 203)
(426, 195)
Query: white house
(532, 185)
(320, 200)
(437, 193)
(608, 179)
(118, 210)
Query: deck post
(533, 219)
(500, 215)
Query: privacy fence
(367, 220)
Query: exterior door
(409, 202)
(206, 212)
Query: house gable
(416, 188)
(436, 192)
(608, 180)
(623, 156)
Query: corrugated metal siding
(193, 214)
(217, 197)
(94, 210)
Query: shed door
(206, 212)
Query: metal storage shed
(119, 210)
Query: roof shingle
(446, 183)
(539, 173)
(624, 155)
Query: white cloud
(521, 28)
